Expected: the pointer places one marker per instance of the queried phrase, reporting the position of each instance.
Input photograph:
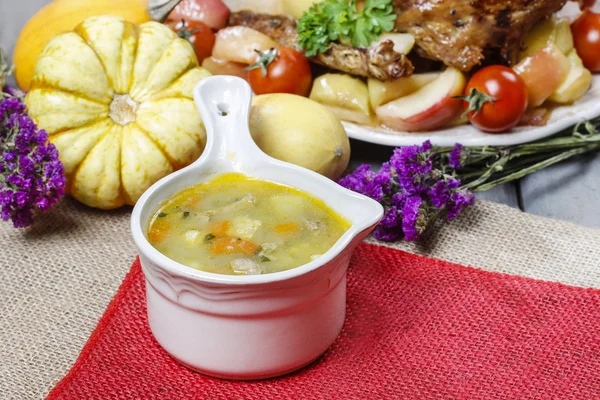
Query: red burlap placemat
(416, 328)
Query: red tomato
(500, 95)
(198, 34)
(586, 35)
(282, 70)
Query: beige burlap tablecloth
(57, 277)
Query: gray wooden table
(569, 191)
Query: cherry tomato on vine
(586, 35)
(280, 70)
(198, 34)
(495, 99)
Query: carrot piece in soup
(221, 228)
(194, 200)
(249, 248)
(286, 228)
(225, 245)
(158, 231)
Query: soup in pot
(235, 224)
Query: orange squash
(62, 16)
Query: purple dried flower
(455, 156)
(31, 175)
(459, 201)
(410, 213)
(387, 235)
(413, 190)
(411, 165)
(365, 181)
(441, 192)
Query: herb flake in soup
(238, 225)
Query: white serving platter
(562, 117)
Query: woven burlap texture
(57, 277)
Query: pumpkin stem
(159, 10)
(123, 109)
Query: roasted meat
(380, 62)
(464, 34)
(461, 34)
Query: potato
(550, 31)
(295, 8)
(345, 96)
(578, 82)
(300, 131)
(273, 7)
(384, 92)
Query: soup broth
(239, 225)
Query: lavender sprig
(415, 187)
(421, 184)
(31, 175)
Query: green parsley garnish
(339, 21)
(162, 215)
(185, 214)
(209, 237)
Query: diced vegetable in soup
(238, 225)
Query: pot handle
(224, 106)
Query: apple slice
(346, 96)
(430, 107)
(403, 42)
(223, 67)
(549, 31)
(237, 43)
(384, 92)
(578, 82)
(543, 73)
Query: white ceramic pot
(247, 327)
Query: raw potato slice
(175, 61)
(175, 125)
(75, 144)
(384, 92)
(576, 84)
(99, 175)
(52, 106)
(345, 96)
(69, 64)
(142, 162)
